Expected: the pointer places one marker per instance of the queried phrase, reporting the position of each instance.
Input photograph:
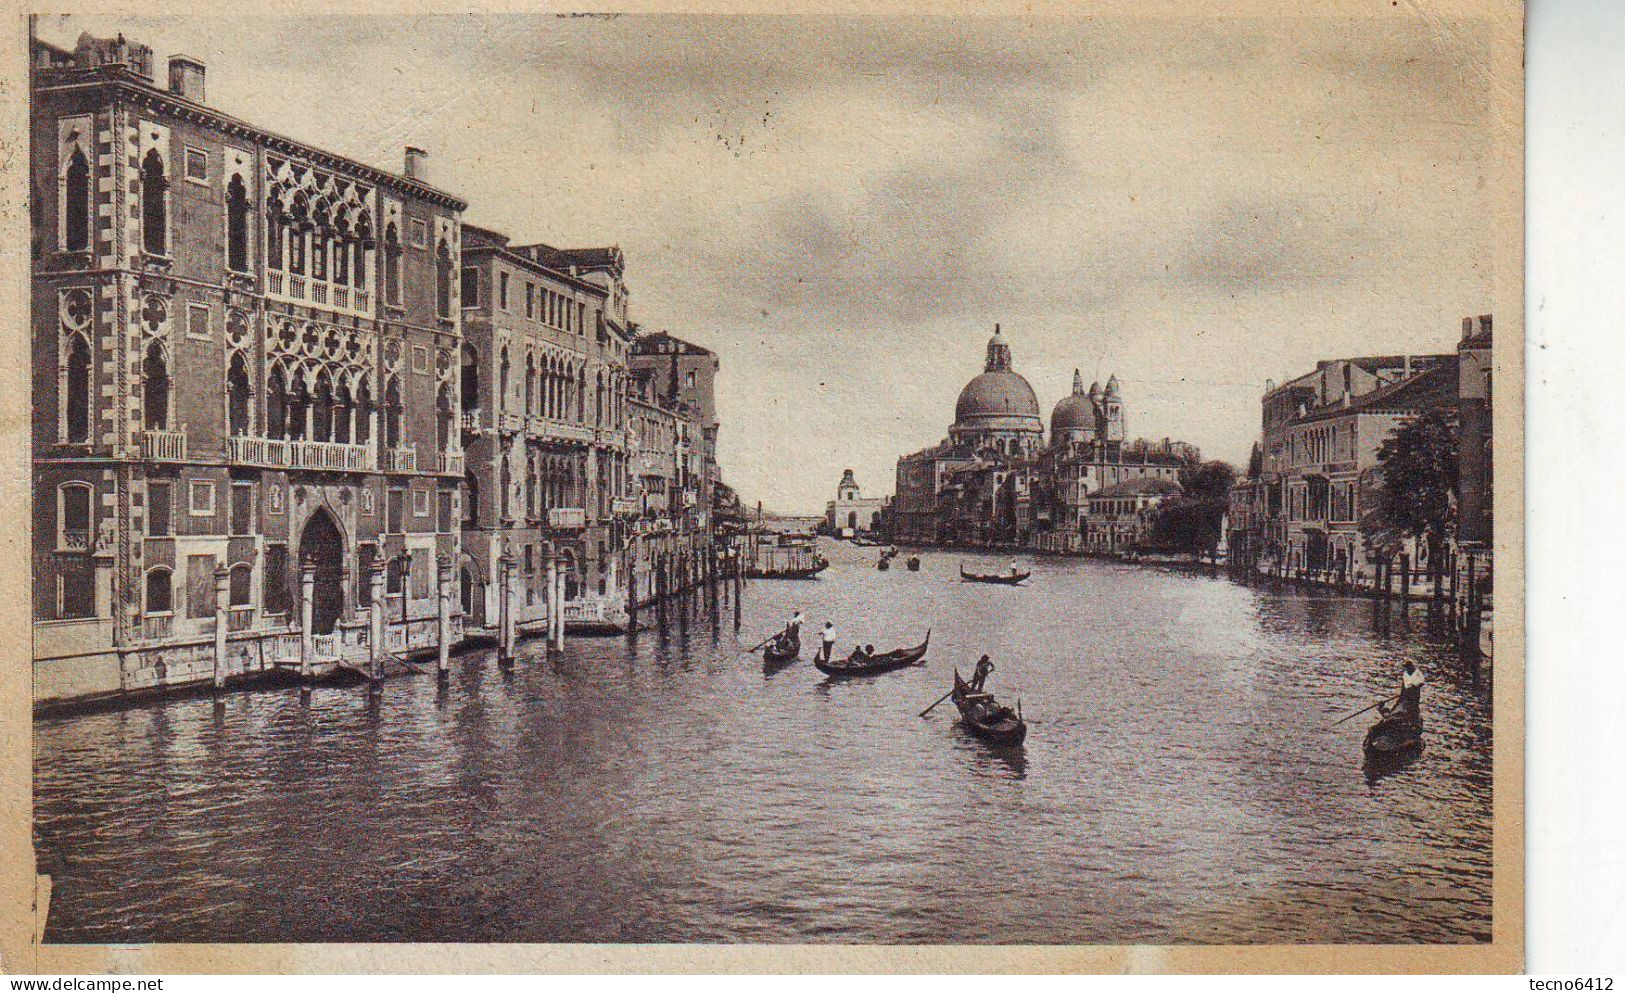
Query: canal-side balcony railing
(510, 421)
(341, 296)
(565, 431)
(327, 455)
(325, 646)
(400, 459)
(452, 463)
(163, 446)
(471, 421)
(247, 450)
(296, 285)
(157, 627)
(591, 610)
(275, 283)
(239, 618)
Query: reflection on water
(1180, 783)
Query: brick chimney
(417, 164)
(186, 77)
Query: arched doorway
(852, 520)
(473, 598)
(571, 573)
(323, 545)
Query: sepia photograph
(702, 479)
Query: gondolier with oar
(793, 629)
(828, 647)
(1410, 693)
(984, 668)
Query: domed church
(998, 410)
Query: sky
(842, 209)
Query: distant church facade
(996, 481)
(851, 512)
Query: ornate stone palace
(290, 410)
(995, 482)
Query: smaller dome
(1072, 413)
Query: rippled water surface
(1179, 783)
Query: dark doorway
(473, 597)
(323, 546)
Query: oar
(934, 705)
(1362, 710)
(763, 644)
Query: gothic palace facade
(274, 386)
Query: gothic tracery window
(77, 386)
(237, 225)
(154, 205)
(239, 395)
(76, 203)
(155, 388)
(392, 265)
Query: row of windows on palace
(294, 246)
(76, 574)
(552, 309)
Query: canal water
(1179, 782)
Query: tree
(1416, 489)
(1192, 521)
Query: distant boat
(1003, 579)
(884, 563)
(913, 563)
(808, 572)
(872, 665)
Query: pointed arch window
(392, 414)
(343, 413)
(155, 388)
(237, 225)
(471, 499)
(76, 203)
(298, 409)
(442, 280)
(321, 407)
(276, 405)
(471, 378)
(502, 382)
(530, 385)
(392, 265)
(76, 419)
(446, 419)
(363, 413)
(239, 395)
(154, 205)
(275, 235)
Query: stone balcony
(566, 518)
(163, 446)
(452, 463)
(274, 453)
(399, 460)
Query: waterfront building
(543, 371)
(993, 480)
(245, 389)
(1317, 474)
(1473, 549)
(1121, 514)
(851, 512)
(672, 541)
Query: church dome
(1075, 411)
(996, 393)
(999, 391)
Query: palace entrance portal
(323, 545)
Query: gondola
(883, 564)
(784, 648)
(985, 718)
(902, 658)
(1394, 735)
(1003, 579)
(810, 572)
(913, 563)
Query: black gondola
(1394, 735)
(782, 649)
(984, 717)
(811, 572)
(871, 665)
(1003, 579)
(913, 563)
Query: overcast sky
(843, 209)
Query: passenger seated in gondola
(1015, 570)
(1409, 705)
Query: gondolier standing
(829, 641)
(984, 667)
(793, 629)
(1410, 692)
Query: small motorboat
(985, 717)
(782, 649)
(1000, 578)
(913, 563)
(871, 665)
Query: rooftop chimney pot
(417, 164)
(186, 77)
